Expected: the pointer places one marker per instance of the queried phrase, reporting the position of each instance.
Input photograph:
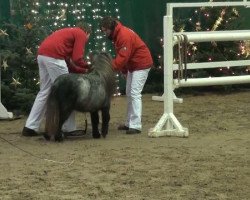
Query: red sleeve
(123, 52)
(76, 69)
(123, 70)
(79, 47)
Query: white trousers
(49, 70)
(134, 85)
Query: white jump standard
(168, 125)
(4, 114)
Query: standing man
(60, 53)
(133, 59)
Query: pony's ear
(92, 56)
(107, 55)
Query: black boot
(131, 131)
(29, 132)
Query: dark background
(145, 17)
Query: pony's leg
(63, 116)
(95, 123)
(59, 137)
(105, 121)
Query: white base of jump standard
(4, 114)
(168, 125)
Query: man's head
(85, 27)
(107, 25)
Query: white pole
(219, 64)
(168, 62)
(207, 36)
(228, 80)
(211, 4)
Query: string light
(66, 13)
(203, 20)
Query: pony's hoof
(104, 135)
(96, 136)
(46, 136)
(59, 138)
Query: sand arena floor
(212, 163)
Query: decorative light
(58, 13)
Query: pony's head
(102, 64)
(97, 58)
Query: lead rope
(180, 64)
(38, 157)
(45, 159)
(86, 123)
(185, 54)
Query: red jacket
(64, 44)
(131, 52)
(73, 68)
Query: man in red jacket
(60, 53)
(133, 58)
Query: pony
(91, 92)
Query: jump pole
(168, 124)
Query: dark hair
(85, 27)
(108, 22)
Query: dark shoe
(133, 131)
(29, 132)
(122, 127)
(96, 136)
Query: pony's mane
(102, 65)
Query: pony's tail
(52, 115)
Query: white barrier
(168, 124)
(4, 114)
